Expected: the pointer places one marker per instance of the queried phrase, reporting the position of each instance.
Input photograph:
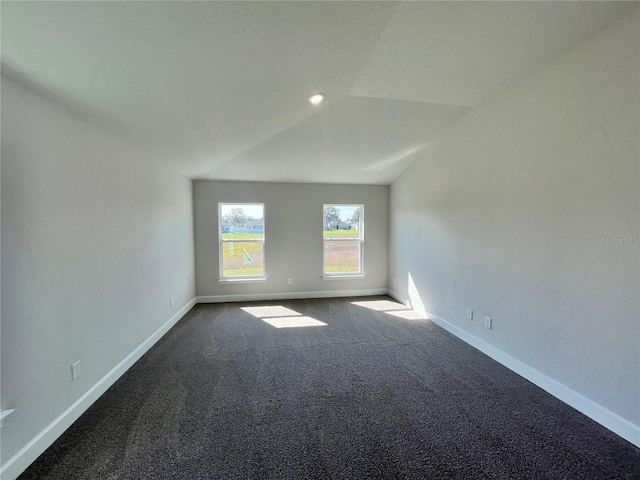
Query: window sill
(242, 280)
(358, 276)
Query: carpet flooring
(341, 388)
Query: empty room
(320, 240)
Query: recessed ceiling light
(316, 98)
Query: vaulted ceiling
(218, 90)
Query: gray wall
(293, 244)
(518, 214)
(95, 239)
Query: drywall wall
(96, 238)
(528, 212)
(293, 244)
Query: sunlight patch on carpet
(408, 314)
(282, 317)
(392, 308)
(293, 322)
(380, 305)
(270, 311)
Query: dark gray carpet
(226, 395)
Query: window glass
(343, 238)
(242, 234)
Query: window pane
(233, 233)
(341, 221)
(242, 258)
(242, 221)
(342, 256)
(241, 234)
(342, 234)
(342, 238)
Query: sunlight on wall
(414, 297)
(282, 317)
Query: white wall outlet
(469, 314)
(290, 281)
(76, 370)
(171, 301)
(395, 280)
(488, 322)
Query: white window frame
(221, 241)
(344, 275)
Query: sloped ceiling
(218, 90)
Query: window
(343, 239)
(241, 234)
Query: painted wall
(293, 243)
(95, 239)
(528, 212)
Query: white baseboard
(32, 450)
(250, 297)
(605, 417)
(398, 297)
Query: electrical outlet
(76, 370)
(395, 280)
(469, 314)
(488, 322)
(171, 301)
(290, 281)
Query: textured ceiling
(218, 89)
